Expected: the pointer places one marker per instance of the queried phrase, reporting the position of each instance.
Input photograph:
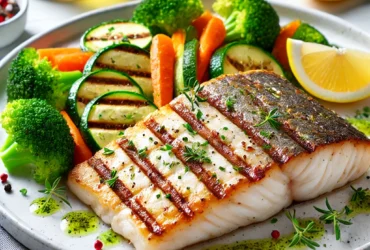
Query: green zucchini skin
(144, 43)
(72, 101)
(190, 63)
(84, 124)
(125, 58)
(218, 60)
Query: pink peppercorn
(3, 178)
(275, 234)
(98, 245)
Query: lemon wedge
(331, 74)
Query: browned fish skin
(246, 114)
(304, 119)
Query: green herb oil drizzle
(80, 223)
(110, 238)
(42, 207)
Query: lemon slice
(332, 74)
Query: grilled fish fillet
(189, 173)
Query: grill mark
(118, 37)
(109, 126)
(128, 71)
(131, 50)
(109, 81)
(214, 139)
(277, 155)
(126, 197)
(245, 67)
(156, 177)
(178, 149)
(115, 102)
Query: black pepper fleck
(8, 188)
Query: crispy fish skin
(164, 200)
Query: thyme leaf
(271, 118)
(53, 190)
(196, 153)
(113, 179)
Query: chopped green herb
(108, 151)
(196, 154)
(110, 29)
(142, 152)
(190, 129)
(121, 133)
(168, 196)
(332, 216)
(158, 196)
(159, 157)
(222, 169)
(131, 144)
(266, 134)
(266, 146)
(150, 138)
(188, 188)
(230, 103)
(166, 147)
(23, 191)
(186, 169)
(138, 66)
(179, 177)
(199, 114)
(223, 137)
(300, 234)
(132, 176)
(271, 118)
(273, 220)
(237, 169)
(113, 179)
(214, 175)
(185, 139)
(360, 195)
(225, 128)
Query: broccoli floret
(32, 77)
(167, 16)
(38, 140)
(307, 33)
(254, 21)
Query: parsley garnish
(237, 169)
(186, 169)
(300, 235)
(166, 147)
(108, 151)
(199, 114)
(142, 152)
(53, 190)
(113, 179)
(191, 93)
(121, 133)
(23, 191)
(168, 196)
(271, 118)
(230, 103)
(196, 153)
(131, 144)
(273, 220)
(110, 29)
(185, 139)
(190, 129)
(222, 169)
(266, 146)
(158, 196)
(332, 216)
(266, 134)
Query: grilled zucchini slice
(126, 58)
(116, 32)
(106, 117)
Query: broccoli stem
(66, 79)
(13, 158)
(232, 31)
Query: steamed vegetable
(254, 21)
(201, 22)
(167, 16)
(38, 140)
(162, 59)
(307, 33)
(32, 77)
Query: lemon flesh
(332, 74)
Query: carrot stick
(201, 22)
(49, 53)
(212, 37)
(279, 50)
(162, 60)
(71, 62)
(82, 151)
(178, 41)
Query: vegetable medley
(66, 103)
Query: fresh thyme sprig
(196, 153)
(332, 216)
(300, 235)
(271, 118)
(360, 194)
(192, 93)
(113, 179)
(53, 190)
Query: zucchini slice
(115, 32)
(95, 84)
(189, 64)
(106, 117)
(240, 57)
(125, 58)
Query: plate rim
(9, 220)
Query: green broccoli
(38, 140)
(167, 16)
(254, 21)
(307, 33)
(32, 77)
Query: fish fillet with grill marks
(187, 175)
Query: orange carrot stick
(201, 22)
(71, 62)
(178, 41)
(279, 50)
(162, 60)
(212, 37)
(82, 151)
(49, 53)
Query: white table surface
(44, 14)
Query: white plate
(44, 233)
